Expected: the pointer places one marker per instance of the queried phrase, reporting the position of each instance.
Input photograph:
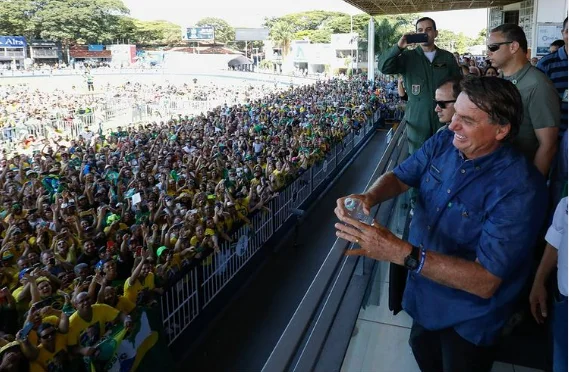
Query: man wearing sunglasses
(423, 69)
(445, 97)
(537, 140)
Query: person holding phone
(423, 69)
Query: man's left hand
(375, 241)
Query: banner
(547, 33)
(137, 349)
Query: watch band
(421, 261)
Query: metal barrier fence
(182, 302)
(104, 117)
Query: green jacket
(420, 78)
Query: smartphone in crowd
(417, 38)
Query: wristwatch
(413, 259)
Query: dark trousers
(446, 351)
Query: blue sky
(250, 13)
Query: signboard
(95, 48)
(200, 33)
(122, 54)
(345, 41)
(43, 43)
(12, 42)
(251, 34)
(547, 33)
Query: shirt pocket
(463, 223)
(431, 184)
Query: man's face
(503, 54)
(428, 28)
(474, 135)
(444, 95)
(564, 34)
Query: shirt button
(462, 171)
(448, 191)
(421, 245)
(438, 209)
(429, 227)
(477, 168)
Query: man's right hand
(402, 43)
(538, 302)
(341, 210)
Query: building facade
(541, 20)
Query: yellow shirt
(48, 361)
(88, 332)
(131, 291)
(124, 305)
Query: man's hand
(375, 241)
(538, 302)
(341, 211)
(402, 43)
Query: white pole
(370, 50)
(351, 42)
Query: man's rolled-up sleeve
(411, 170)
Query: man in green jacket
(423, 69)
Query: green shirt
(420, 78)
(541, 107)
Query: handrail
(286, 348)
(196, 289)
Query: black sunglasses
(494, 47)
(443, 104)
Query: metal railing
(301, 342)
(216, 271)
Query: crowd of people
(94, 230)
(23, 107)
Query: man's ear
(514, 47)
(502, 131)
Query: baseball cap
(161, 250)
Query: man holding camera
(423, 69)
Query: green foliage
(156, 32)
(224, 33)
(315, 36)
(454, 42)
(62, 20)
(282, 34)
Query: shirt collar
(518, 75)
(562, 53)
(486, 160)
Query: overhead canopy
(379, 7)
(239, 61)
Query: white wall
(551, 10)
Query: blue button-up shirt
(491, 209)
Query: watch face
(411, 263)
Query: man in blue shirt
(479, 209)
(554, 65)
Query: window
(512, 16)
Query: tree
(62, 20)
(342, 24)
(315, 36)
(157, 32)
(224, 33)
(282, 34)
